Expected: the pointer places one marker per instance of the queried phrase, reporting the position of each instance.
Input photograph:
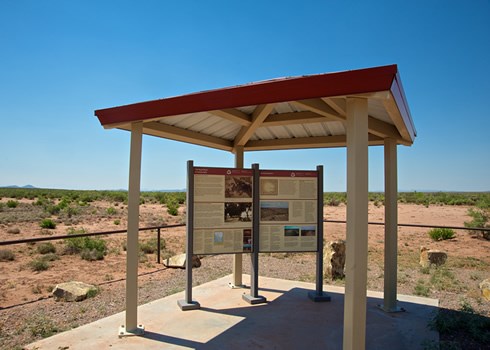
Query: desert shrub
(480, 218)
(1, 206)
(92, 254)
(6, 255)
(92, 292)
(475, 326)
(45, 248)
(334, 199)
(117, 222)
(421, 289)
(12, 203)
(48, 224)
(50, 257)
(111, 211)
(71, 211)
(440, 234)
(42, 326)
(173, 208)
(90, 249)
(150, 246)
(38, 265)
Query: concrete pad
(289, 320)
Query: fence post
(158, 245)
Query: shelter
(353, 109)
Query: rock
(178, 261)
(485, 288)
(13, 230)
(432, 257)
(334, 259)
(72, 291)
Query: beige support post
(391, 227)
(238, 258)
(357, 225)
(132, 327)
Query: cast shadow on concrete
(293, 321)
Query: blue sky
(61, 60)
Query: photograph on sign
(237, 212)
(238, 186)
(274, 211)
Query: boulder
(73, 291)
(13, 230)
(334, 259)
(178, 261)
(430, 257)
(485, 288)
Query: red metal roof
(348, 83)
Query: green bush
(50, 257)
(111, 211)
(440, 234)
(48, 223)
(6, 255)
(173, 208)
(90, 249)
(38, 265)
(92, 254)
(150, 246)
(480, 218)
(421, 289)
(45, 248)
(12, 204)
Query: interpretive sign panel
(222, 210)
(288, 211)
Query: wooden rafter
(233, 115)
(338, 105)
(304, 142)
(258, 116)
(328, 107)
(318, 106)
(178, 134)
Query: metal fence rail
(54, 238)
(417, 225)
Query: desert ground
(27, 311)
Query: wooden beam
(305, 142)
(395, 115)
(258, 116)
(338, 104)
(178, 134)
(382, 129)
(233, 115)
(293, 118)
(320, 107)
(298, 142)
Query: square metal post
(254, 297)
(188, 303)
(318, 294)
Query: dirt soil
(27, 311)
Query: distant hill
(15, 186)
